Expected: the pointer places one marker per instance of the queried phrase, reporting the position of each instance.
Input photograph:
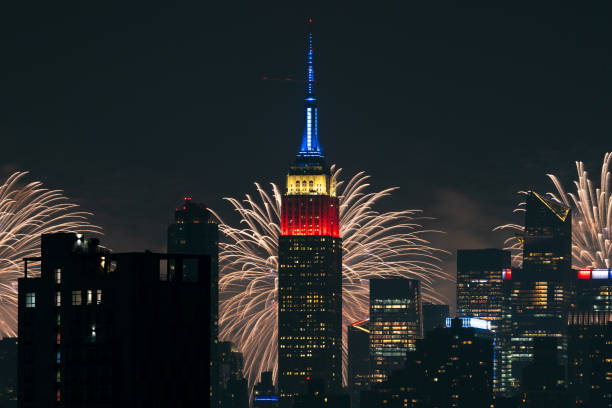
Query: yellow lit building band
(315, 184)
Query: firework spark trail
(26, 212)
(591, 218)
(374, 245)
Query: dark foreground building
(8, 372)
(194, 232)
(310, 267)
(358, 344)
(434, 316)
(112, 330)
(451, 367)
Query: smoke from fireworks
(591, 219)
(26, 212)
(374, 245)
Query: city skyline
(443, 233)
(422, 89)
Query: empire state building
(310, 265)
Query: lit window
(89, 296)
(98, 296)
(76, 298)
(30, 299)
(58, 299)
(58, 275)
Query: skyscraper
(540, 294)
(395, 323)
(310, 266)
(195, 233)
(480, 294)
(98, 329)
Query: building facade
(542, 292)
(395, 324)
(310, 266)
(195, 233)
(98, 329)
(480, 294)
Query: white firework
(591, 218)
(26, 212)
(374, 244)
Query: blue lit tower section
(310, 267)
(310, 140)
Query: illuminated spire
(310, 139)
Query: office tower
(310, 266)
(480, 294)
(195, 233)
(98, 329)
(264, 392)
(451, 367)
(395, 323)
(590, 358)
(358, 359)
(479, 283)
(8, 372)
(540, 294)
(434, 316)
(543, 382)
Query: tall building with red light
(310, 266)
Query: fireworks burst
(374, 245)
(26, 212)
(591, 219)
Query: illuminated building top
(310, 175)
(310, 140)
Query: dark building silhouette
(233, 391)
(358, 359)
(318, 396)
(541, 293)
(434, 316)
(8, 372)
(395, 323)
(195, 233)
(264, 392)
(112, 330)
(451, 367)
(590, 358)
(543, 379)
(310, 266)
(480, 293)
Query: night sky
(129, 108)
